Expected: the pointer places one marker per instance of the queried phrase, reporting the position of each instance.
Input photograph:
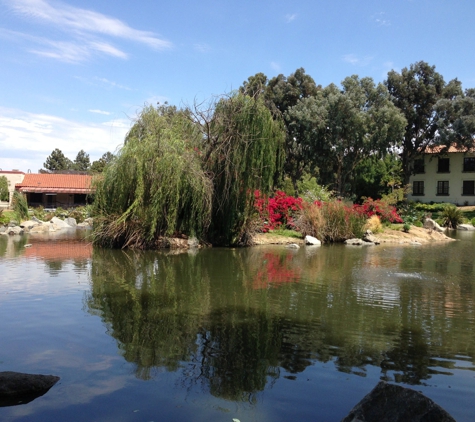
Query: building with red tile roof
(56, 190)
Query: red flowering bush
(277, 212)
(386, 212)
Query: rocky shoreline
(37, 226)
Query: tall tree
(456, 120)
(243, 152)
(4, 194)
(82, 162)
(416, 91)
(57, 161)
(98, 166)
(337, 129)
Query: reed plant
(332, 221)
(20, 206)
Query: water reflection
(231, 320)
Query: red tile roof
(59, 183)
(441, 148)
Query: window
(444, 165)
(468, 187)
(418, 188)
(419, 166)
(443, 188)
(469, 164)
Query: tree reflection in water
(232, 320)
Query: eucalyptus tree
(416, 91)
(336, 130)
(456, 120)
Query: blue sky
(75, 73)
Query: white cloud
(26, 139)
(107, 113)
(380, 19)
(290, 17)
(202, 47)
(356, 60)
(85, 28)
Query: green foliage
(82, 162)
(57, 161)
(286, 233)
(340, 128)
(244, 152)
(20, 206)
(332, 221)
(156, 185)
(416, 91)
(410, 213)
(311, 191)
(4, 219)
(451, 216)
(437, 207)
(406, 227)
(98, 166)
(4, 194)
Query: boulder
(355, 242)
(43, 228)
(430, 224)
(59, 224)
(18, 388)
(193, 242)
(70, 221)
(370, 237)
(393, 403)
(466, 227)
(292, 246)
(310, 240)
(27, 225)
(14, 230)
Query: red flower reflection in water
(275, 270)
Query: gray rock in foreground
(393, 403)
(310, 240)
(18, 388)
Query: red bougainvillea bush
(278, 211)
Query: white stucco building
(13, 177)
(448, 177)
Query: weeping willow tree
(155, 186)
(243, 152)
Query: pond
(257, 334)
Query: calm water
(257, 334)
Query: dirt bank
(415, 235)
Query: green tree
(4, 194)
(57, 161)
(279, 94)
(156, 185)
(82, 162)
(456, 120)
(244, 152)
(337, 129)
(416, 91)
(99, 165)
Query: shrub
(374, 224)
(20, 206)
(451, 216)
(277, 212)
(332, 221)
(406, 227)
(4, 219)
(387, 213)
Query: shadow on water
(230, 321)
